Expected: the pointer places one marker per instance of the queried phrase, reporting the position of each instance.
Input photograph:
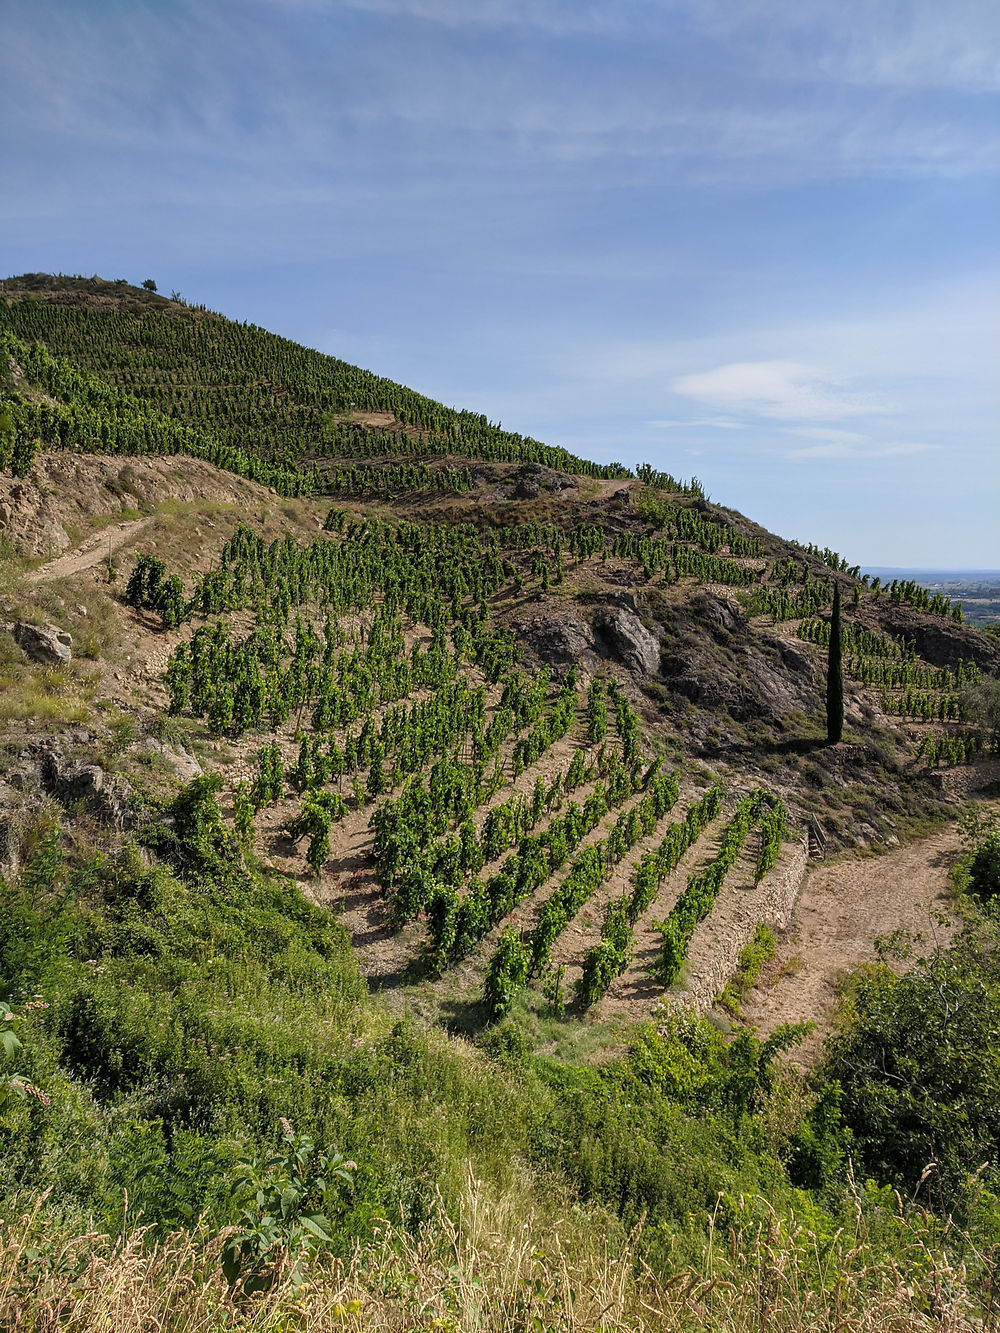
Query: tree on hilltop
(835, 675)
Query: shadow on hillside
(799, 745)
(464, 1018)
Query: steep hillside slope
(314, 688)
(387, 652)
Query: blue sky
(753, 240)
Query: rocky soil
(52, 509)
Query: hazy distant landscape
(977, 589)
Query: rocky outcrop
(941, 642)
(531, 479)
(44, 643)
(182, 764)
(558, 636)
(105, 795)
(712, 659)
(636, 647)
(11, 819)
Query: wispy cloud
(553, 16)
(829, 433)
(629, 88)
(715, 423)
(781, 390)
(922, 44)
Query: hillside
(363, 694)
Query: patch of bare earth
(91, 553)
(843, 908)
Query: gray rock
(183, 765)
(558, 638)
(10, 842)
(44, 643)
(630, 640)
(106, 796)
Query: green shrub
(984, 868)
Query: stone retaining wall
(964, 779)
(771, 903)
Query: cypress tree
(835, 676)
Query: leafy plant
(285, 1221)
(13, 1088)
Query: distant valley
(977, 589)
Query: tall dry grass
(495, 1270)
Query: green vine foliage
(609, 958)
(506, 974)
(698, 896)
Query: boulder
(531, 479)
(558, 637)
(44, 643)
(630, 641)
(183, 765)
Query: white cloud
(782, 390)
(830, 433)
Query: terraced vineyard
(906, 687)
(392, 746)
(461, 677)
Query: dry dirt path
(92, 552)
(843, 908)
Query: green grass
(752, 958)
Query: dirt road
(92, 552)
(843, 908)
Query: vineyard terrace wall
(721, 938)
